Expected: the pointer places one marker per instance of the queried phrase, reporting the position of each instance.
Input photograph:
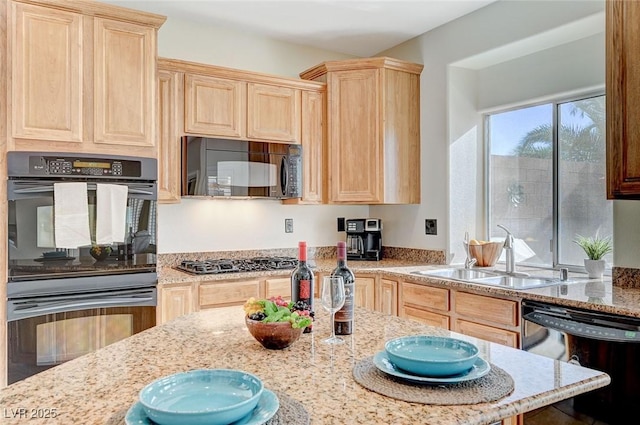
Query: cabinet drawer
(278, 286)
(430, 318)
(499, 336)
(425, 296)
(503, 312)
(215, 294)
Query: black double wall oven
(63, 300)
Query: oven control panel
(80, 166)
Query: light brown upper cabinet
(373, 139)
(215, 106)
(169, 149)
(212, 101)
(623, 99)
(313, 142)
(82, 77)
(234, 104)
(273, 113)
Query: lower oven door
(46, 331)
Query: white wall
(197, 225)
(501, 55)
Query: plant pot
(595, 268)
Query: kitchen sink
(518, 282)
(457, 274)
(521, 281)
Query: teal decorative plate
(479, 369)
(267, 406)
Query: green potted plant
(596, 248)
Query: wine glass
(333, 297)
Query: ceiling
(354, 27)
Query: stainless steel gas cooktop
(226, 265)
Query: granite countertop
(592, 294)
(100, 387)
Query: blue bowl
(434, 356)
(201, 397)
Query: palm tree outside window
(546, 178)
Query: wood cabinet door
(365, 292)
(387, 297)
(273, 113)
(124, 60)
(215, 106)
(356, 165)
(175, 301)
(168, 137)
(313, 149)
(623, 99)
(278, 286)
(46, 74)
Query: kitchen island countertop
(99, 388)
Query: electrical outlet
(288, 225)
(430, 226)
(341, 224)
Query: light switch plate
(430, 226)
(288, 225)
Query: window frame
(555, 101)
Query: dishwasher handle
(581, 329)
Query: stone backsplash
(625, 277)
(320, 253)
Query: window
(546, 174)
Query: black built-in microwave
(240, 169)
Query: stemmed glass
(333, 297)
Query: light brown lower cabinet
(387, 297)
(175, 301)
(224, 293)
(365, 295)
(425, 304)
(489, 318)
(278, 286)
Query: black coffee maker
(364, 239)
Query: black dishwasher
(597, 340)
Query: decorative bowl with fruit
(276, 323)
(100, 252)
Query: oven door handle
(38, 308)
(134, 188)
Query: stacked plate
(204, 397)
(431, 359)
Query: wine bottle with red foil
(302, 283)
(344, 317)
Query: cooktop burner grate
(225, 265)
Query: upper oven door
(33, 254)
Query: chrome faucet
(508, 247)
(468, 262)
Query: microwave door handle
(284, 178)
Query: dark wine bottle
(344, 317)
(302, 282)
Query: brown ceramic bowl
(275, 335)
